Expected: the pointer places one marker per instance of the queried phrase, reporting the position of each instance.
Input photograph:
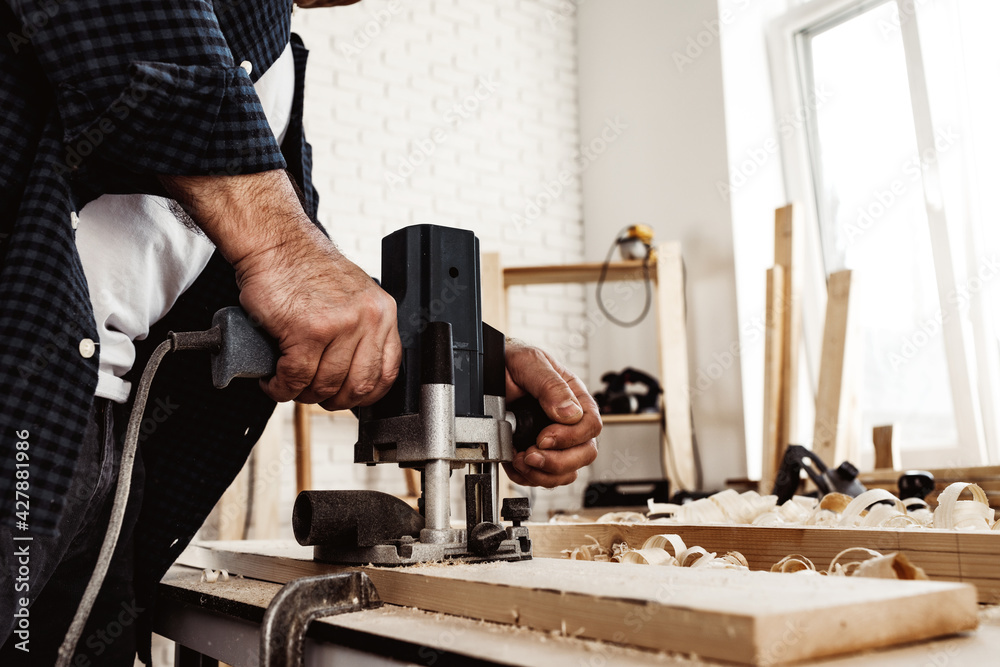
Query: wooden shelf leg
(303, 449)
(677, 449)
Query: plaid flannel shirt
(100, 96)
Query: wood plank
(641, 418)
(885, 455)
(788, 254)
(943, 554)
(589, 272)
(492, 291)
(832, 427)
(677, 445)
(743, 617)
(436, 639)
(774, 448)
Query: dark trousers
(59, 568)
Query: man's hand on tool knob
(335, 327)
(565, 446)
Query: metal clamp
(300, 602)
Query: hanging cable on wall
(634, 242)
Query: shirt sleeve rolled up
(149, 86)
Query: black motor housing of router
(433, 274)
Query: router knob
(486, 538)
(515, 510)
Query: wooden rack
(666, 273)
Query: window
(900, 111)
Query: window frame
(975, 378)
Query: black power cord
(622, 235)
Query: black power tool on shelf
(619, 399)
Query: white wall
(663, 170)
(453, 112)
(754, 189)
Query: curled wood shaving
(974, 514)
(793, 563)
(851, 516)
(890, 566)
(736, 558)
(618, 550)
(621, 517)
(649, 557)
(661, 542)
(654, 551)
(837, 569)
(703, 557)
(835, 502)
(212, 576)
(593, 551)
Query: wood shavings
(618, 550)
(890, 566)
(593, 551)
(670, 550)
(875, 508)
(974, 514)
(852, 514)
(621, 517)
(835, 502)
(654, 551)
(212, 576)
(648, 557)
(837, 569)
(794, 563)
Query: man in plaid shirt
(156, 98)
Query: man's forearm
(245, 215)
(335, 327)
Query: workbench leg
(188, 657)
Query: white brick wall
(453, 112)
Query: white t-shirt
(138, 257)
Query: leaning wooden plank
(831, 434)
(774, 448)
(885, 455)
(494, 295)
(943, 555)
(745, 617)
(677, 446)
(788, 254)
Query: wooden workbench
(222, 619)
(746, 617)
